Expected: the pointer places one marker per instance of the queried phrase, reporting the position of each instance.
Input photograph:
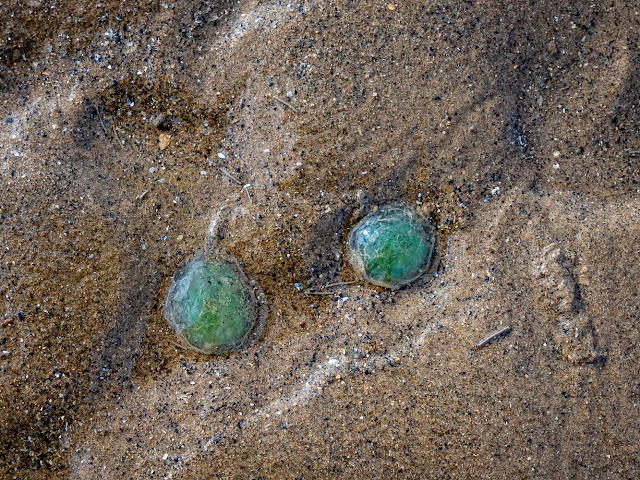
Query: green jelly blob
(392, 246)
(211, 305)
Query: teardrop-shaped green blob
(212, 305)
(392, 246)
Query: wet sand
(125, 130)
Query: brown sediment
(514, 125)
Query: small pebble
(163, 141)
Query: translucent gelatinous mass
(211, 304)
(392, 246)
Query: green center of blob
(396, 252)
(210, 305)
(391, 247)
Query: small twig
(142, 195)
(6, 322)
(104, 127)
(338, 284)
(101, 122)
(178, 345)
(493, 336)
(231, 176)
(284, 102)
(311, 292)
(117, 138)
(634, 152)
(246, 190)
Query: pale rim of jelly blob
(212, 306)
(392, 246)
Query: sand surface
(134, 134)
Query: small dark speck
(9, 120)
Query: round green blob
(392, 246)
(211, 305)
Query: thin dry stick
(104, 127)
(493, 336)
(231, 176)
(311, 292)
(142, 195)
(284, 102)
(178, 345)
(101, 122)
(246, 190)
(338, 284)
(117, 138)
(6, 322)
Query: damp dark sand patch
(86, 250)
(35, 33)
(60, 294)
